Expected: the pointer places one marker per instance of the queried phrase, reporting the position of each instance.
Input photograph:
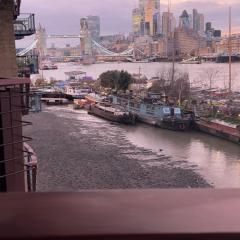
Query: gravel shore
(77, 151)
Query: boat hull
(170, 124)
(222, 132)
(125, 118)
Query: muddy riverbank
(77, 151)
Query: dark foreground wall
(8, 66)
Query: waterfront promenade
(77, 151)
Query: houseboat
(114, 114)
(163, 116)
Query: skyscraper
(151, 16)
(168, 23)
(201, 23)
(198, 21)
(148, 13)
(94, 26)
(184, 20)
(196, 24)
(146, 19)
(136, 21)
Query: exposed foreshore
(83, 152)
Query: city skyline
(118, 19)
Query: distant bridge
(102, 52)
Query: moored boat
(108, 112)
(219, 129)
(162, 116)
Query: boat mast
(171, 37)
(230, 50)
(168, 27)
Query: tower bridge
(88, 46)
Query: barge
(217, 129)
(162, 116)
(113, 114)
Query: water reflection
(218, 161)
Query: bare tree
(209, 77)
(178, 87)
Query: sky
(63, 16)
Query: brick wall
(8, 66)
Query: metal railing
(17, 159)
(24, 25)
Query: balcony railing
(17, 160)
(24, 25)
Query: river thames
(197, 72)
(170, 158)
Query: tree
(125, 79)
(118, 80)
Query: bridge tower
(41, 37)
(85, 38)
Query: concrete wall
(8, 66)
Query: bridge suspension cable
(28, 49)
(105, 51)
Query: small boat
(111, 113)
(194, 60)
(49, 66)
(73, 90)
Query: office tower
(141, 5)
(184, 20)
(94, 26)
(148, 15)
(191, 20)
(151, 20)
(208, 26)
(136, 21)
(168, 23)
(157, 23)
(198, 21)
(201, 23)
(196, 26)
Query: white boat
(76, 92)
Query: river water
(197, 73)
(217, 160)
